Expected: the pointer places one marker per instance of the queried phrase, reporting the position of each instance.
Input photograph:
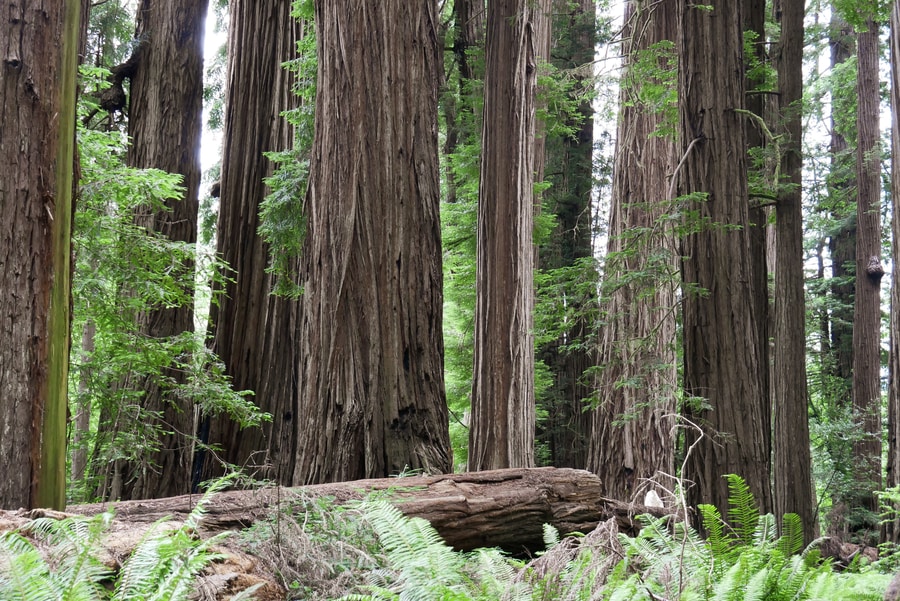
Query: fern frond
(721, 543)
(742, 511)
(791, 541)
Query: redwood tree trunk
(867, 305)
(893, 460)
(792, 461)
(164, 122)
(255, 332)
(721, 373)
(37, 118)
(371, 395)
(633, 425)
(503, 406)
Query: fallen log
(500, 508)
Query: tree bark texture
(37, 117)
(867, 305)
(165, 122)
(503, 406)
(566, 430)
(842, 244)
(761, 233)
(893, 457)
(793, 487)
(371, 395)
(633, 424)
(721, 336)
(255, 332)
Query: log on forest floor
(500, 508)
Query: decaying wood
(499, 508)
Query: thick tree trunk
(503, 405)
(721, 336)
(867, 305)
(37, 118)
(371, 395)
(633, 425)
(793, 487)
(164, 122)
(893, 458)
(254, 332)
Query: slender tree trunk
(37, 118)
(633, 426)
(792, 461)
(566, 430)
(254, 332)
(867, 305)
(371, 395)
(164, 122)
(893, 458)
(721, 335)
(503, 405)
(762, 246)
(838, 367)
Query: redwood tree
(503, 405)
(869, 271)
(37, 117)
(371, 395)
(792, 461)
(893, 458)
(633, 425)
(254, 331)
(722, 376)
(165, 122)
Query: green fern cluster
(745, 559)
(163, 567)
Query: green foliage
(748, 561)
(650, 83)
(122, 272)
(64, 564)
(282, 219)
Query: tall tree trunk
(633, 426)
(838, 367)
(762, 243)
(503, 405)
(254, 332)
(371, 395)
(566, 431)
(721, 336)
(37, 117)
(893, 459)
(867, 305)
(792, 461)
(164, 122)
